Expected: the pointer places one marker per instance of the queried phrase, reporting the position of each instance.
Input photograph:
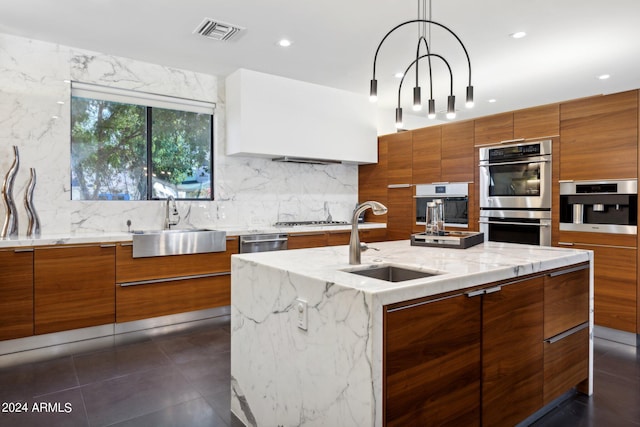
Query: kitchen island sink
(391, 273)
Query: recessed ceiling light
(518, 35)
(60, 102)
(491, 101)
(284, 43)
(604, 76)
(398, 75)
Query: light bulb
(373, 90)
(432, 109)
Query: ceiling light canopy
(424, 40)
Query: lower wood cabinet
(74, 287)
(333, 238)
(480, 357)
(16, 293)
(306, 240)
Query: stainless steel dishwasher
(263, 242)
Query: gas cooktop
(307, 223)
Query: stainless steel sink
(392, 273)
(178, 242)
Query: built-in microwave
(455, 197)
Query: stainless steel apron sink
(178, 242)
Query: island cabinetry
(16, 293)
(158, 286)
(465, 359)
(599, 137)
(74, 287)
(432, 362)
(615, 283)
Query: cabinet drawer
(566, 300)
(16, 294)
(171, 297)
(129, 269)
(566, 364)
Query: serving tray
(450, 239)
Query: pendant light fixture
(424, 24)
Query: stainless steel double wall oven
(515, 192)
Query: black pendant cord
(415, 61)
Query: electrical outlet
(301, 313)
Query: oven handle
(514, 223)
(514, 163)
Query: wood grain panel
(161, 299)
(426, 155)
(555, 190)
(457, 152)
(512, 353)
(566, 301)
(336, 238)
(537, 122)
(74, 287)
(372, 182)
(400, 217)
(599, 137)
(432, 364)
(16, 294)
(129, 269)
(307, 240)
(628, 240)
(566, 364)
(399, 157)
(492, 129)
(373, 235)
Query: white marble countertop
(107, 237)
(455, 268)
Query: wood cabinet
(599, 137)
(426, 166)
(16, 293)
(457, 153)
(566, 331)
(615, 276)
(432, 363)
(74, 287)
(512, 353)
(158, 286)
(307, 240)
(399, 158)
(543, 121)
(493, 129)
(372, 182)
(399, 185)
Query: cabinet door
(566, 363)
(432, 363)
(426, 155)
(457, 152)
(399, 157)
(336, 238)
(492, 129)
(306, 240)
(512, 353)
(537, 122)
(373, 235)
(599, 137)
(16, 294)
(74, 287)
(372, 182)
(566, 301)
(400, 215)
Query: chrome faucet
(171, 212)
(354, 242)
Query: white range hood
(280, 118)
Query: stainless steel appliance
(309, 223)
(455, 197)
(263, 242)
(516, 176)
(606, 206)
(532, 227)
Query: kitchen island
(314, 344)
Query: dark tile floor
(182, 379)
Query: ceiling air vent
(217, 30)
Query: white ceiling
(569, 42)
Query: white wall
(249, 192)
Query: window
(133, 146)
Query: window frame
(143, 99)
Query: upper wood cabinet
(457, 163)
(427, 154)
(399, 157)
(537, 122)
(74, 287)
(16, 293)
(599, 137)
(372, 181)
(492, 129)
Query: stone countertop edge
(459, 268)
(122, 236)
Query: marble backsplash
(249, 192)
